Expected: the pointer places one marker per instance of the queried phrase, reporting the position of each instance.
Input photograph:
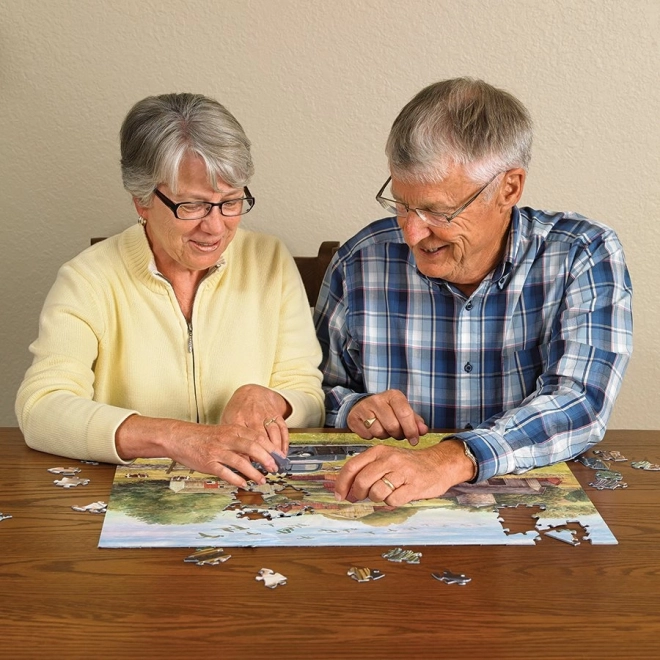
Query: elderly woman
(184, 336)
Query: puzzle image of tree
(156, 503)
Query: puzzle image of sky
(158, 503)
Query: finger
(278, 433)
(351, 469)
(387, 424)
(406, 417)
(381, 489)
(244, 467)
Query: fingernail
(413, 441)
(337, 496)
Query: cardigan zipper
(192, 353)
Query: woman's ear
(142, 211)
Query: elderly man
(464, 311)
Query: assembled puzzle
(159, 503)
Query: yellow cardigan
(113, 341)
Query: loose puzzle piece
(565, 535)
(5, 516)
(400, 555)
(207, 557)
(70, 482)
(611, 455)
(452, 578)
(364, 574)
(90, 462)
(645, 465)
(271, 579)
(608, 484)
(609, 474)
(94, 507)
(593, 463)
(66, 472)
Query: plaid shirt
(529, 365)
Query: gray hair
(461, 121)
(160, 131)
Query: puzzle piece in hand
(645, 465)
(452, 578)
(271, 579)
(400, 555)
(365, 574)
(611, 455)
(94, 507)
(65, 472)
(70, 482)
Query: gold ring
(269, 421)
(387, 482)
(370, 422)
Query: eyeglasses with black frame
(199, 210)
(433, 218)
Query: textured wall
(316, 86)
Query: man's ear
(512, 186)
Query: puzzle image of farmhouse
(158, 503)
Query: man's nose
(414, 228)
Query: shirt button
(469, 305)
(468, 427)
(468, 367)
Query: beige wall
(316, 86)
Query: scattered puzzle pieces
(452, 578)
(400, 555)
(365, 574)
(70, 482)
(5, 516)
(66, 472)
(271, 579)
(94, 507)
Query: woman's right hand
(226, 451)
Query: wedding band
(269, 421)
(370, 422)
(387, 482)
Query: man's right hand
(386, 415)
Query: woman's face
(189, 245)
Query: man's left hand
(397, 476)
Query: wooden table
(61, 596)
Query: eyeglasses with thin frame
(434, 218)
(198, 210)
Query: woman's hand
(226, 450)
(260, 409)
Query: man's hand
(387, 415)
(397, 476)
(260, 409)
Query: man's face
(464, 251)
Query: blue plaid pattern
(530, 365)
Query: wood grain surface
(63, 597)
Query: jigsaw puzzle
(155, 503)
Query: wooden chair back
(312, 269)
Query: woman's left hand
(257, 407)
